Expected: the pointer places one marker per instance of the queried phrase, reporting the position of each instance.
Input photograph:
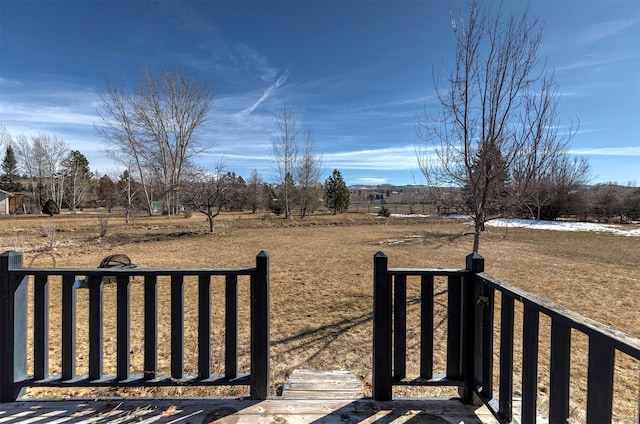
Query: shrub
(384, 212)
(102, 216)
(50, 208)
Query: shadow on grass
(314, 341)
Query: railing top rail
(436, 272)
(132, 271)
(617, 339)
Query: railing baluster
(231, 327)
(204, 326)
(177, 326)
(41, 327)
(96, 318)
(68, 327)
(150, 327)
(530, 329)
(123, 327)
(260, 328)
(488, 319)
(467, 342)
(600, 382)
(506, 357)
(559, 378)
(400, 327)
(426, 327)
(454, 327)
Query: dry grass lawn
(321, 281)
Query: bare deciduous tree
(309, 174)
(498, 124)
(553, 191)
(256, 196)
(121, 134)
(157, 124)
(285, 157)
(206, 192)
(5, 136)
(41, 157)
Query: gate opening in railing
(217, 290)
(519, 354)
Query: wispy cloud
(605, 30)
(267, 93)
(390, 158)
(608, 151)
(4, 82)
(592, 62)
(371, 180)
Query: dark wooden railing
(470, 343)
(14, 280)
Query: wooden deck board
(235, 410)
(311, 384)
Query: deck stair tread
(312, 384)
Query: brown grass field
(321, 284)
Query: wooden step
(310, 384)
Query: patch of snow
(564, 226)
(435, 215)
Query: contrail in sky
(267, 93)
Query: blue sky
(357, 73)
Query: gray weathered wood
(234, 410)
(311, 384)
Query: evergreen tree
(336, 193)
(8, 180)
(107, 193)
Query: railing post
(474, 264)
(13, 327)
(382, 331)
(260, 339)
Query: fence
(14, 280)
(470, 343)
(471, 327)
